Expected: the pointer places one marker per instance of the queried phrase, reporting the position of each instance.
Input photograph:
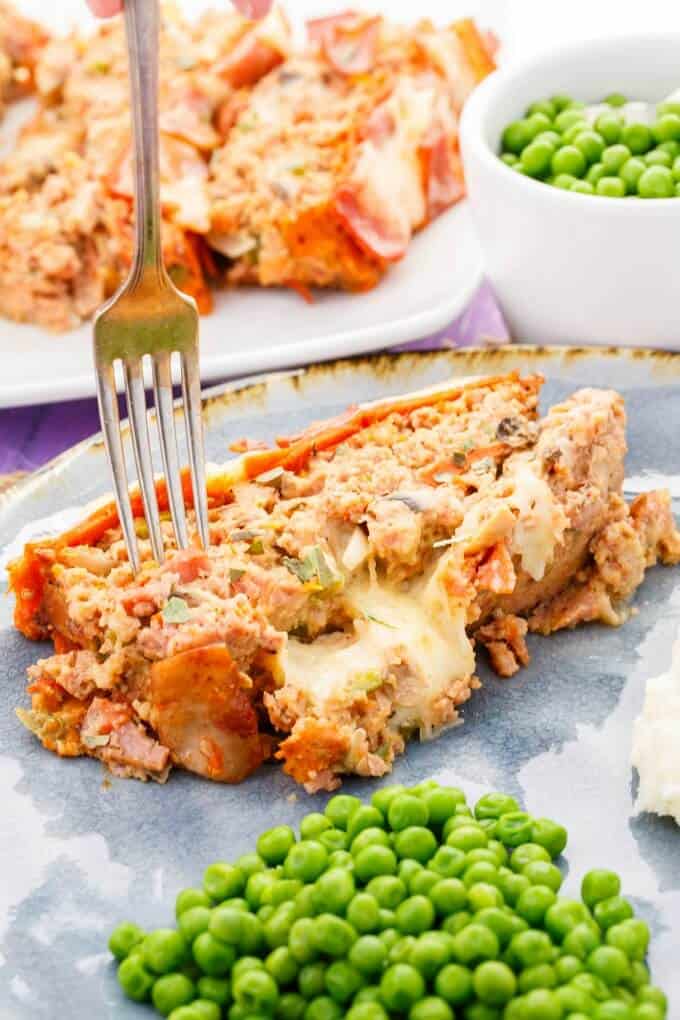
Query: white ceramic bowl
(570, 268)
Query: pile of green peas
(556, 144)
(415, 906)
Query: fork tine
(139, 431)
(191, 394)
(110, 422)
(162, 388)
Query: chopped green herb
(244, 535)
(367, 681)
(256, 547)
(376, 619)
(459, 459)
(176, 610)
(314, 565)
(235, 574)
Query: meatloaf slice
(351, 571)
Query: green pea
(494, 983)
(416, 842)
(647, 1011)
(215, 990)
(323, 1008)
(164, 951)
(637, 137)
(612, 1010)
(567, 160)
(534, 902)
(312, 980)
(333, 839)
(340, 809)
(282, 965)
(442, 803)
(368, 837)
(422, 882)
(542, 975)
(544, 106)
(415, 915)
(214, 957)
(124, 938)
(387, 890)
(334, 889)
(511, 885)
(431, 1008)
(551, 137)
(632, 936)
(291, 1006)
(654, 995)
(171, 991)
(301, 940)
(382, 798)
(222, 880)
(448, 896)
(542, 1004)
(609, 964)
(373, 861)
(516, 136)
(508, 158)
(591, 145)
(658, 157)
(192, 922)
(332, 935)
(368, 955)
(135, 979)
(564, 915)
(536, 123)
(343, 981)
(668, 106)
(430, 953)
(252, 930)
(400, 952)
(599, 884)
(448, 862)
(366, 817)
(514, 828)
(493, 805)
(593, 985)
(571, 134)
(366, 1011)
(630, 173)
(540, 872)
(467, 837)
(306, 860)
(609, 126)
(575, 1000)
(672, 148)
(475, 943)
(561, 101)
(611, 187)
(595, 173)
(666, 128)
(456, 922)
(531, 947)
(656, 182)
(482, 895)
(256, 990)
(313, 824)
(567, 118)
(401, 986)
(526, 853)
(615, 99)
(407, 811)
(581, 939)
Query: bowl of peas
(572, 162)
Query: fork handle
(142, 28)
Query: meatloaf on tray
(353, 570)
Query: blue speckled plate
(77, 855)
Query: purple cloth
(30, 436)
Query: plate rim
(237, 387)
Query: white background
(524, 25)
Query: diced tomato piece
(348, 41)
(371, 232)
(189, 563)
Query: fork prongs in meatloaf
(351, 571)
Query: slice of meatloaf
(351, 571)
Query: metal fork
(149, 317)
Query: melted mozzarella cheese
(656, 743)
(541, 522)
(413, 635)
